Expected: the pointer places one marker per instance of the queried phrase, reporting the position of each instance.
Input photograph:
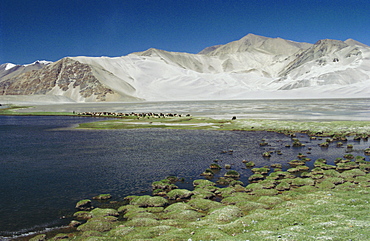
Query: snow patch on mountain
(9, 66)
(39, 62)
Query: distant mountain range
(253, 67)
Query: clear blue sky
(53, 29)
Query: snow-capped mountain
(9, 70)
(252, 67)
(7, 66)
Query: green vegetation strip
(323, 128)
(11, 111)
(326, 128)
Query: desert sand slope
(253, 67)
(329, 63)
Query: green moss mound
(204, 204)
(179, 194)
(225, 214)
(148, 201)
(96, 224)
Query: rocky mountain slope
(9, 70)
(252, 67)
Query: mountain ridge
(251, 67)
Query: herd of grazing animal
(132, 114)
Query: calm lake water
(46, 167)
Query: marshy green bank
(320, 128)
(305, 202)
(321, 204)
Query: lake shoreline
(238, 211)
(185, 121)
